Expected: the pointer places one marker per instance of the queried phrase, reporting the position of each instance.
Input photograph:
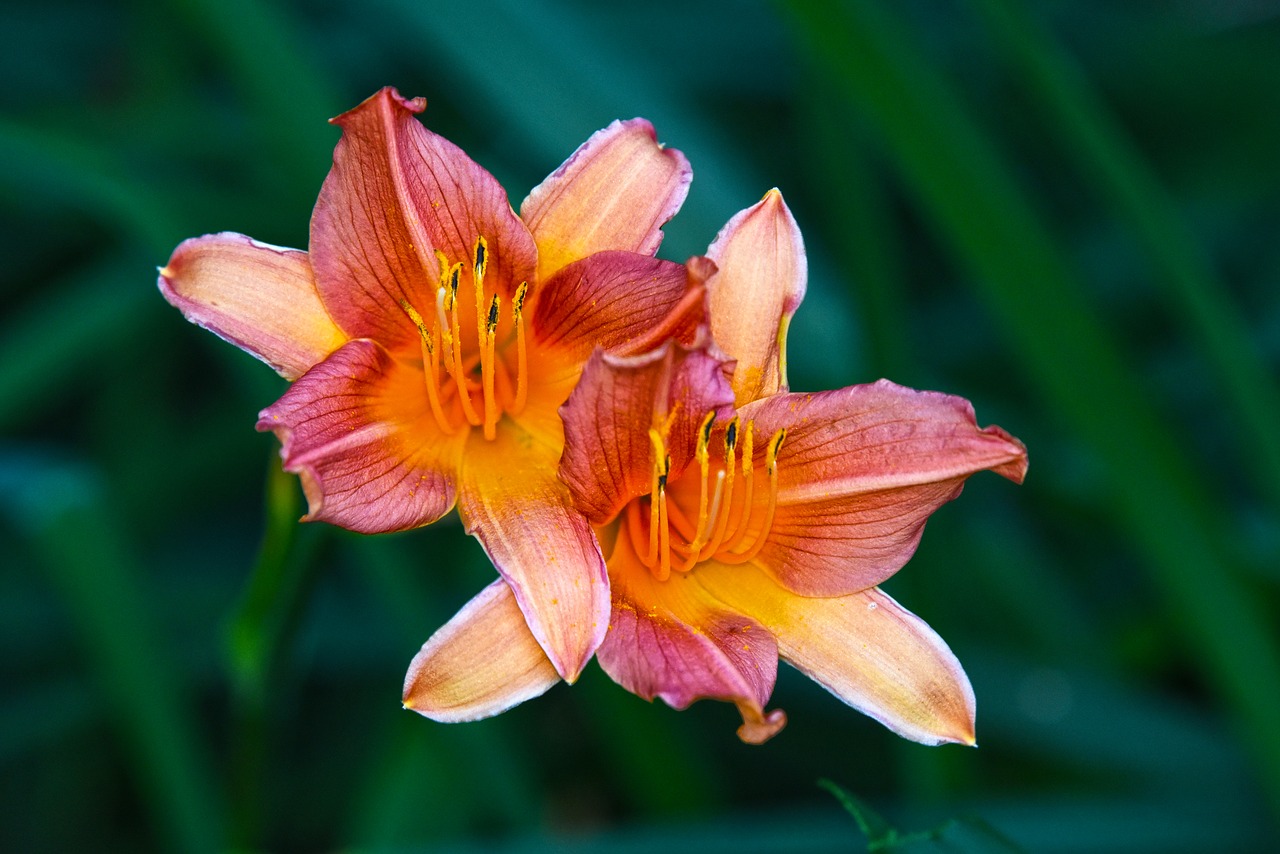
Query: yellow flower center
(469, 381)
(732, 518)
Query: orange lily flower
(432, 334)
(745, 523)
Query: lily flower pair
(576, 398)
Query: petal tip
(387, 94)
(1016, 468)
(758, 728)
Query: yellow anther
(661, 461)
(703, 453)
(522, 358)
(415, 317)
(481, 255)
(731, 439)
(492, 322)
(775, 444)
(455, 274)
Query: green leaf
(955, 835)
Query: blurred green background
(1065, 211)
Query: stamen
(771, 466)
(730, 443)
(479, 253)
(491, 410)
(449, 303)
(664, 529)
(659, 452)
(429, 367)
(703, 456)
(522, 366)
(735, 532)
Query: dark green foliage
(1064, 211)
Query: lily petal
(762, 279)
(879, 436)
(608, 457)
(670, 640)
(847, 544)
(261, 298)
(510, 498)
(480, 663)
(397, 194)
(865, 648)
(358, 431)
(615, 192)
(860, 472)
(622, 302)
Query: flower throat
(725, 526)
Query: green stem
(258, 636)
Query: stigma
(473, 371)
(737, 500)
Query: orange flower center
(469, 380)
(732, 517)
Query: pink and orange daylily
(744, 523)
(432, 334)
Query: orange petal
(480, 663)
(608, 457)
(879, 436)
(358, 430)
(510, 498)
(859, 473)
(261, 298)
(671, 640)
(615, 192)
(762, 279)
(865, 648)
(623, 302)
(843, 545)
(398, 193)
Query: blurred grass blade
(258, 637)
(270, 598)
(955, 835)
(52, 165)
(869, 821)
(990, 226)
(531, 72)
(287, 88)
(62, 509)
(419, 764)
(1107, 159)
(855, 210)
(71, 323)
